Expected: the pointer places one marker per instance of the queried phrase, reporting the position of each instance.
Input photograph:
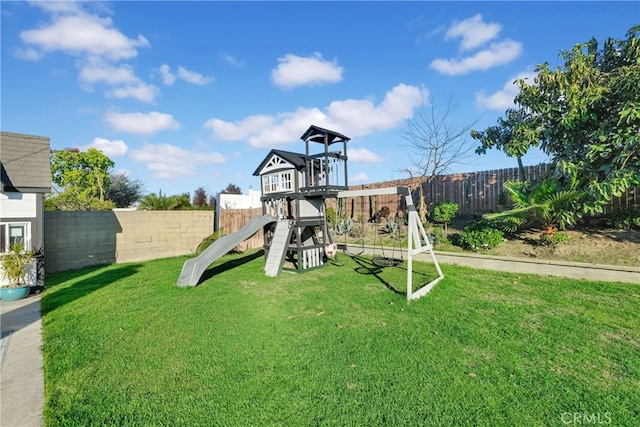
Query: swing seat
(386, 262)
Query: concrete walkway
(21, 374)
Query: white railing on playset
(312, 257)
(325, 171)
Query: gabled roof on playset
(297, 160)
(318, 134)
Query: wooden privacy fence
(232, 220)
(475, 193)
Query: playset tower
(295, 188)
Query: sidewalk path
(21, 374)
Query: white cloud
(293, 71)
(503, 99)
(96, 70)
(58, 7)
(168, 161)
(497, 54)
(362, 155)
(188, 76)
(115, 148)
(233, 60)
(167, 77)
(96, 41)
(363, 117)
(360, 177)
(28, 54)
(142, 92)
(360, 117)
(474, 32)
(140, 123)
(85, 34)
(193, 77)
(241, 129)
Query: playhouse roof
(297, 160)
(318, 134)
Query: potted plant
(16, 265)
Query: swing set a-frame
(417, 241)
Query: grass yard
(337, 346)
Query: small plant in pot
(15, 267)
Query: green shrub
(480, 235)
(444, 212)
(553, 239)
(331, 215)
(625, 218)
(439, 237)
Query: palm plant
(544, 203)
(15, 264)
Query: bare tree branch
(436, 140)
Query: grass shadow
(228, 265)
(96, 278)
(366, 266)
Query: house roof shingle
(24, 163)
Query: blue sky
(184, 95)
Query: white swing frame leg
(417, 235)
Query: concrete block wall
(160, 234)
(81, 239)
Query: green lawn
(336, 346)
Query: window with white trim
(14, 232)
(277, 182)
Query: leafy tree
(437, 143)
(231, 189)
(511, 135)
(81, 179)
(67, 201)
(444, 212)
(200, 198)
(160, 202)
(585, 115)
(124, 191)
